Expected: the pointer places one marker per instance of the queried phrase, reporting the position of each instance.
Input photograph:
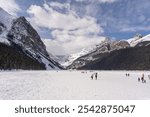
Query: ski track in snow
(71, 85)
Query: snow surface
(73, 85)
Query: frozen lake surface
(72, 85)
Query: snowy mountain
(104, 49)
(71, 58)
(59, 58)
(133, 58)
(133, 54)
(98, 52)
(138, 39)
(5, 25)
(18, 33)
(6, 18)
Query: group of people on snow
(142, 79)
(127, 74)
(95, 75)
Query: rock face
(137, 58)
(138, 39)
(69, 59)
(145, 43)
(133, 54)
(100, 52)
(21, 36)
(2, 28)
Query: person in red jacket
(142, 78)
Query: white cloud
(50, 18)
(100, 1)
(70, 47)
(135, 28)
(54, 47)
(69, 31)
(10, 6)
(59, 5)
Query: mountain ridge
(107, 48)
(19, 32)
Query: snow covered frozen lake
(72, 85)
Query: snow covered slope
(6, 18)
(6, 21)
(19, 33)
(138, 39)
(113, 85)
(103, 49)
(71, 58)
(98, 53)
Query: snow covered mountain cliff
(19, 34)
(98, 52)
(138, 39)
(103, 49)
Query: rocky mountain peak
(101, 50)
(19, 34)
(25, 35)
(139, 36)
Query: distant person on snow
(92, 76)
(139, 79)
(142, 79)
(128, 74)
(96, 74)
(143, 75)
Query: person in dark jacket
(139, 79)
(92, 76)
(96, 74)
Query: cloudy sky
(67, 26)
